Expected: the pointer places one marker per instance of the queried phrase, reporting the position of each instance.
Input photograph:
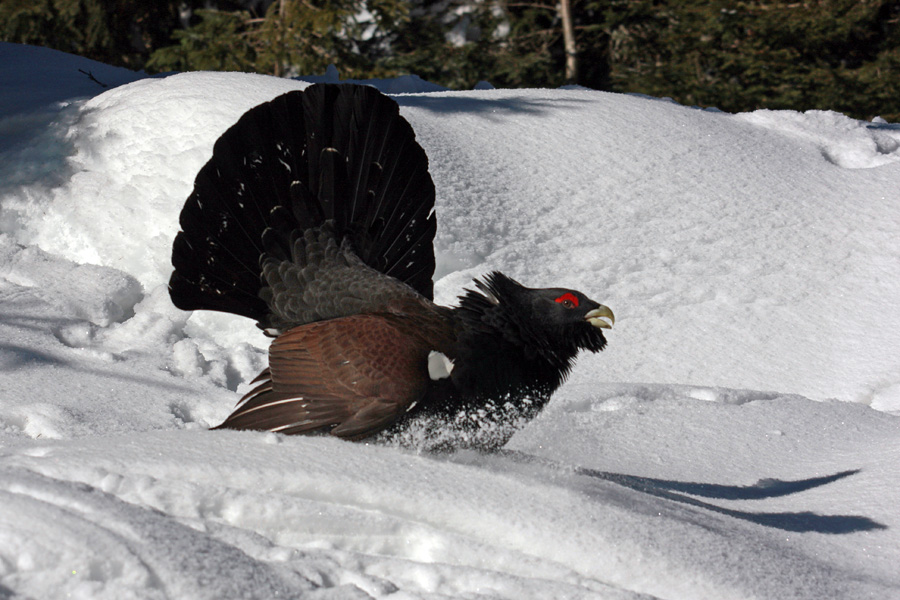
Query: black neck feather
(503, 341)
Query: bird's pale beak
(596, 316)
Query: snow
(737, 439)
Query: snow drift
(725, 445)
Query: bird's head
(555, 322)
(569, 315)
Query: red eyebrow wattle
(570, 297)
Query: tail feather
(339, 153)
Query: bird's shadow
(690, 492)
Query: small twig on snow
(92, 78)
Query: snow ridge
(751, 261)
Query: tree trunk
(280, 54)
(568, 25)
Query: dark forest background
(838, 55)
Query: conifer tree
(830, 54)
(294, 37)
(117, 32)
(219, 41)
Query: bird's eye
(568, 300)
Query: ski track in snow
(751, 260)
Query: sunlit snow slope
(723, 446)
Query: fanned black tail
(333, 152)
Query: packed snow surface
(738, 438)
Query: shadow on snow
(787, 521)
(687, 493)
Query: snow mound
(51, 77)
(96, 294)
(843, 141)
(751, 261)
(405, 84)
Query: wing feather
(352, 377)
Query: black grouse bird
(315, 217)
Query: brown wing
(353, 376)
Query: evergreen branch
(540, 33)
(531, 5)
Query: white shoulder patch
(439, 366)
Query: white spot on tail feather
(439, 366)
